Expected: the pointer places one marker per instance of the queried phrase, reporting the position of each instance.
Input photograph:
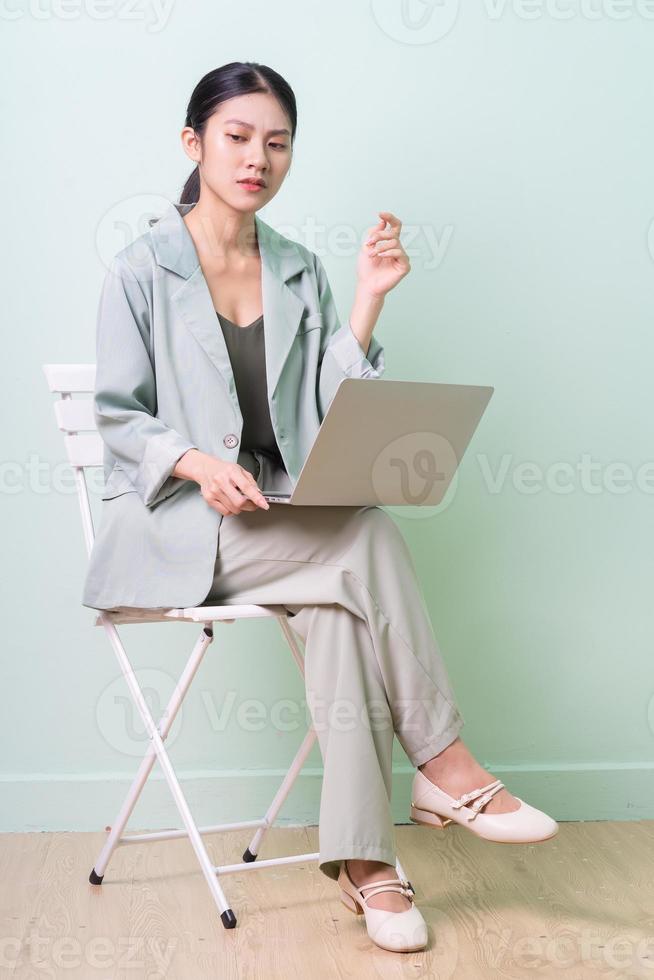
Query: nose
(258, 158)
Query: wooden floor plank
(580, 905)
(22, 857)
(73, 929)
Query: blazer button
(230, 440)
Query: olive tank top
(246, 349)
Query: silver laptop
(388, 442)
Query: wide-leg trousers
(372, 663)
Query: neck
(220, 232)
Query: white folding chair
(84, 449)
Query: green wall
(515, 143)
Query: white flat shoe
(433, 807)
(401, 932)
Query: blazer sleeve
(125, 398)
(341, 354)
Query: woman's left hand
(382, 260)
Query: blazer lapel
(281, 259)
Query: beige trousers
(372, 664)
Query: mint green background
(522, 144)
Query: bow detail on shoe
(485, 793)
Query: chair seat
(191, 614)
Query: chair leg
(168, 717)
(251, 852)
(157, 750)
(290, 638)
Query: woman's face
(247, 136)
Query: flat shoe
(400, 932)
(433, 807)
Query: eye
(278, 146)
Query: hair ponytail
(191, 189)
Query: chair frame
(84, 449)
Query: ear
(190, 144)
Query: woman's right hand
(227, 487)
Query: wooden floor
(579, 905)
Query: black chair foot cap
(228, 918)
(248, 856)
(95, 879)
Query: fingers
(219, 503)
(380, 231)
(385, 242)
(247, 485)
(392, 219)
(389, 249)
(226, 506)
(240, 492)
(234, 491)
(236, 500)
(383, 245)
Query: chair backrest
(75, 418)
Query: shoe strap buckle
(485, 793)
(407, 887)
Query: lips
(250, 180)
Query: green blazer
(164, 384)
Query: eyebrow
(271, 132)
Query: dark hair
(235, 78)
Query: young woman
(219, 350)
